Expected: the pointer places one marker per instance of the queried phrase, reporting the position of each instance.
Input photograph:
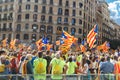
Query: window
(65, 28)
(49, 38)
(19, 17)
(67, 3)
(43, 9)
(60, 11)
(36, 1)
(34, 26)
(18, 36)
(19, 10)
(28, 7)
(65, 20)
(80, 21)
(9, 37)
(80, 5)
(35, 17)
(59, 20)
(59, 28)
(44, 1)
(26, 36)
(73, 21)
(33, 37)
(3, 36)
(50, 29)
(18, 27)
(36, 8)
(80, 12)
(20, 1)
(80, 31)
(73, 30)
(50, 10)
(43, 18)
(5, 16)
(74, 4)
(10, 26)
(73, 13)
(67, 12)
(4, 27)
(60, 2)
(79, 40)
(27, 16)
(26, 26)
(28, 0)
(51, 1)
(50, 19)
(42, 28)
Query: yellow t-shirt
(36, 62)
(55, 62)
(71, 67)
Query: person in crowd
(107, 68)
(85, 69)
(72, 66)
(58, 66)
(4, 67)
(14, 64)
(40, 65)
(48, 59)
(27, 67)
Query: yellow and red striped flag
(91, 37)
(4, 42)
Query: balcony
(6, 1)
(10, 18)
(11, 0)
(5, 9)
(18, 30)
(19, 10)
(43, 11)
(11, 8)
(4, 19)
(4, 29)
(34, 30)
(9, 29)
(19, 20)
(20, 1)
(58, 32)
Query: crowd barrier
(64, 77)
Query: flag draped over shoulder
(91, 37)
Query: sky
(114, 7)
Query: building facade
(106, 36)
(28, 20)
(89, 16)
(99, 18)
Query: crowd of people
(90, 65)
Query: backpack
(2, 67)
(24, 67)
(40, 68)
(57, 68)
